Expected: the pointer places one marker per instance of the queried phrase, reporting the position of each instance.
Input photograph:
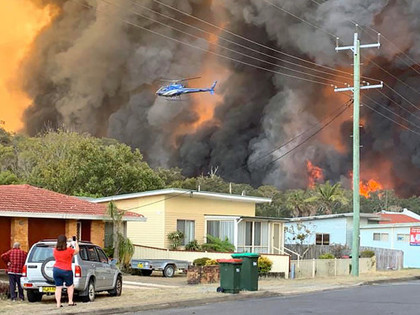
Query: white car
(92, 272)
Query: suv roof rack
(55, 240)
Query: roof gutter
(70, 216)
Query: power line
(346, 104)
(405, 127)
(404, 98)
(210, 52)
(237, 44)
(310, 137)
(399, 105)
(227, 48)
(252, 41)
(302, 20)
(392, 112)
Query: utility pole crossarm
(364, 87)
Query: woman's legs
(58, 295)
(70, 292)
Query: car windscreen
(40, 253)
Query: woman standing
(62, 271)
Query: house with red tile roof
(29, 214)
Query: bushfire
(315, 174)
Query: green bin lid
(241, 255)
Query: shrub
(211, 262)
(176, 239)
(264, 265)
(200, 261)
(367, 254)
(215, 244)
(326, 256)
(193, 246)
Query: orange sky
(20, 21)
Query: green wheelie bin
(249, 271)
(230, 275)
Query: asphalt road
(391, 298)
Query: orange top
(63, 258)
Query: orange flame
(368, 187)
(20, 22)
(315, 174)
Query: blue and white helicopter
(176, 88)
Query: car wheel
(169, 271)
(33, 296)
(146, 273)
(90, 292)
(117, 290)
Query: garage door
(4, 238)
(39, 229)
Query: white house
(326, 229)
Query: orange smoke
(20, 22)
(315, 174)
(204, 104)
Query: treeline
(82, 165)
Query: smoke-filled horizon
(91, 72)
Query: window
(322, 239)
(92, 254)
(83, 253)
(383, 237)
(221, 229)
(188, 228)
(102, 256)
(403, 238)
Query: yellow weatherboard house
(197, 214)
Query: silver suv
(92, 272)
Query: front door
(276, 239)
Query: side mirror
(113, 262)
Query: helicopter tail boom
(212, 87)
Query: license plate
(48, 289)
(139, 265)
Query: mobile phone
(74, 238)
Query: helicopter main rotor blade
(179, 80)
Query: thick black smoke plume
(91, 72)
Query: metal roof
(177, 192)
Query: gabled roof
(34, 202)
(334, 216)
(174, 192)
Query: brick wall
(19, 232)
(71, 228)
(97, 233)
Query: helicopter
(176, 88)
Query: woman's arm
(76, 247)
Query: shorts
(62, 276)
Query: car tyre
(117, 290)
(169, 271)
(33, 296)
(90, 292)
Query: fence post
(335, 267)
(313, 267)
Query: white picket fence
(280, 262)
